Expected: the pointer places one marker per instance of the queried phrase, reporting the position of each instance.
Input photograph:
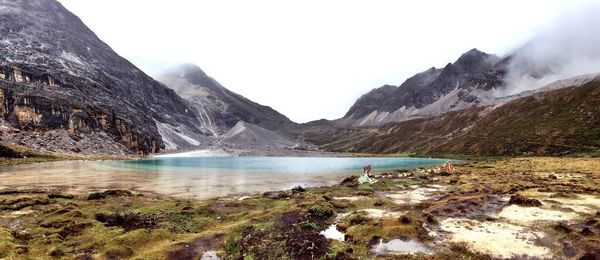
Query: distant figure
(367, 169)
(449, 167)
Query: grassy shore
(419, 207)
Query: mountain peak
(473, 56)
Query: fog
(312, 59)
(567, 47)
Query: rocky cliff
(56, 74)
(459, 85)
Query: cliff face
(56, 74)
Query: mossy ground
(43, 224)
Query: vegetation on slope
(558, 122)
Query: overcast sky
(311, 59)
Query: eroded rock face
(40, 113)
(56, 74)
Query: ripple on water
(397, 246)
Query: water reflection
(199, 177)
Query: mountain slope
(222, 108)
(469, 81)
(556, 121)
(245, 134)
(218, 108)
(55, 74)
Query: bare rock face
(456, 86)
(56, 74)
(223, 115)
(221, 109)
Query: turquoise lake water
(282, 165)
(198, 177)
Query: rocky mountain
(471, 80)
(220, 110)
(246, 134)
(561, 118)
(59, 81)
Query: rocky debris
(524, 201)
(60, 196)
(405, 219)
(109, 193)
(587, 232)
(276, 195)
(298, 189)
(245, 134)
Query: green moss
(322, 210)
(264, 226)
(308, 225)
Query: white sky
(311, 59)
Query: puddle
(210, 255)
(332, 233)
(397, 246)
(380, 213)
(416, 195)
(497, 239)
(527, 215)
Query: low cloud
(567, 48)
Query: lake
(198, 177)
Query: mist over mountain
(562, 50)
(566, 48)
